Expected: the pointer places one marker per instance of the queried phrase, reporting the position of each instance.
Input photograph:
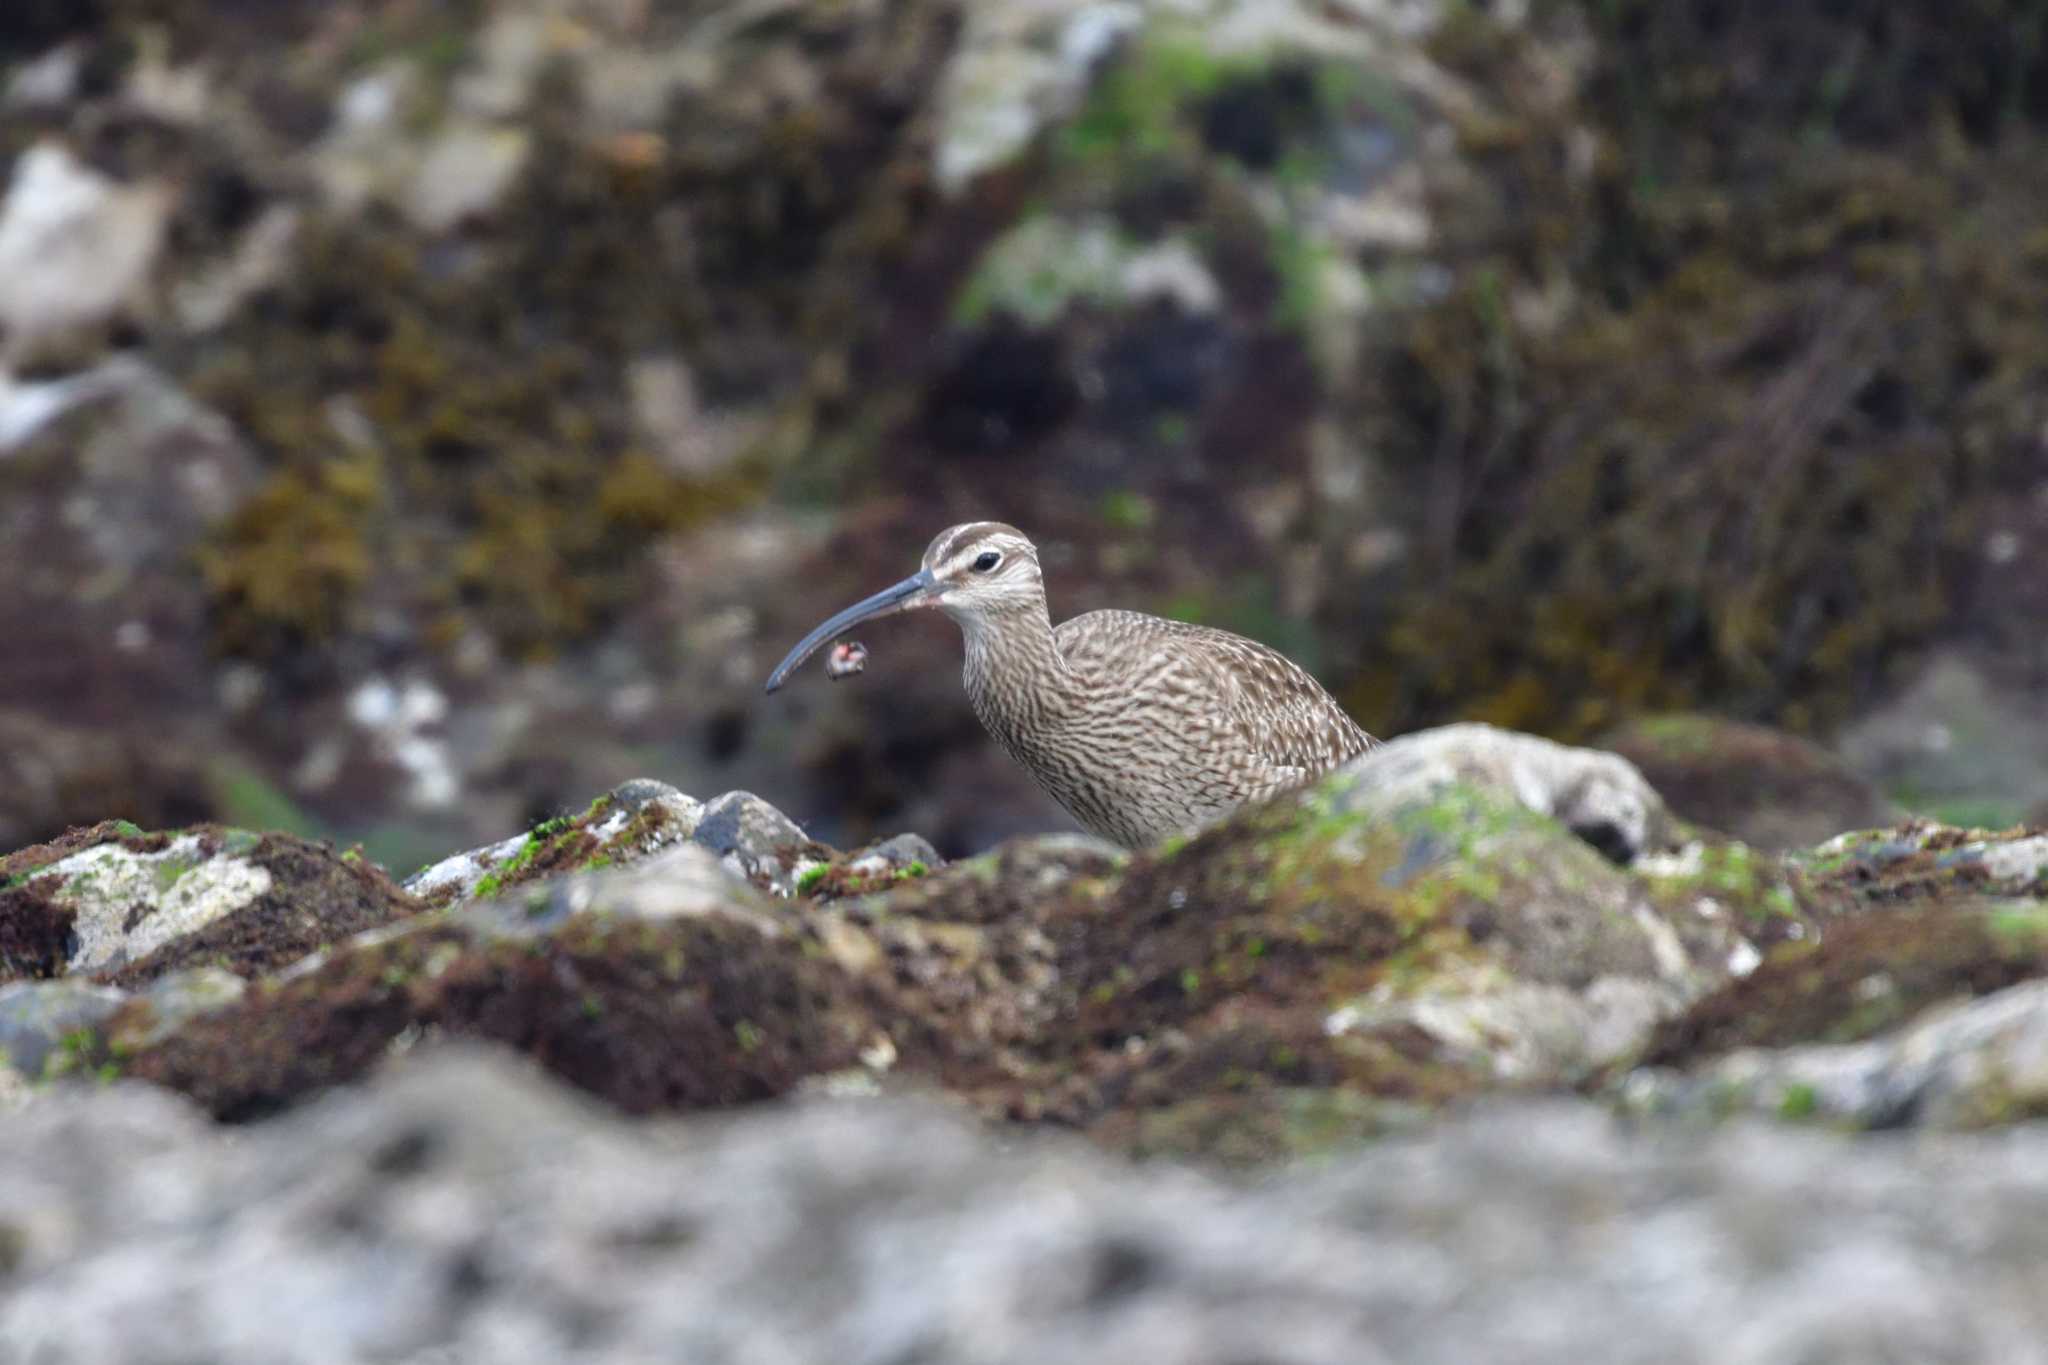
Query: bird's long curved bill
(918, 590)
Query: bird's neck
(1015, 675)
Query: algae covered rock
(633, 821)
(1419, 926)
(756, 842)
(1462, 912)
(116, 903)
(1919, 1002)
(109, 918)
(1959, 1063)
(50, 1029)
(667, 985)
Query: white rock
(130, 904)
(465, 171)
(75, 246)
(48, 81)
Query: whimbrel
(1140, 727)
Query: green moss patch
(837, 881)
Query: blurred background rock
(417, 417)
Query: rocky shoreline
(1498, 964)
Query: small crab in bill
(847, 658)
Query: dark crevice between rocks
(35, 932)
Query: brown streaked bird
(1141, 727)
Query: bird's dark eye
(986, 560)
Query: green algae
(1800, 1101)
(1757, 885)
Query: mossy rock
(674, 993)
(126, 907)
(1866, 975)
(1919, 1001)
(1349, 955)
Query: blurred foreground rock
(461, 1208)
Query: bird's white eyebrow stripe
(971, 529)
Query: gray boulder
(463, 1209)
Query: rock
(47, 81)
(181, 996)
(900, 853)
(124, 903)
(1921, 860)
(1599, 797)
(462, 1205)
(1767, 788)
(665, 985)
(1915, 1002)
(456, 878)
(129, 906)
(1962, 743)
(758, 842)
(633, 821)
(26, 407)
(1463, 912)
(463, 174)
(108, 706)
(1415, 928)
(48, 1028)
(1418, 926)
(1044, 264)
(874, 868)
(75, 247)
(258, 260)
(1015, 70)
(37, 1017)
(1959, 1065)
(967, 970)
